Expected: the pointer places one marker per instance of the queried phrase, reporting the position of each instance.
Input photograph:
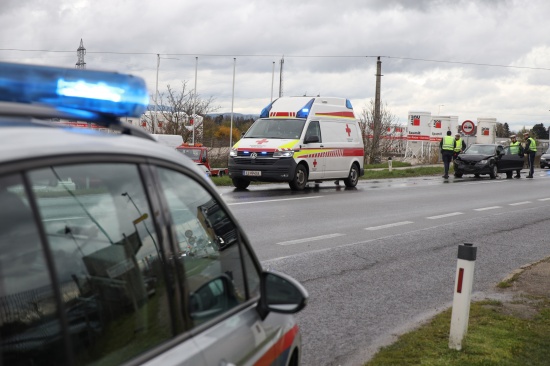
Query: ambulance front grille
(260, 154)
(257, 161)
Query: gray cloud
(325, 46)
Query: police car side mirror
(311, 139)
(280, 293)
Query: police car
(118, 250)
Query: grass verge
(495, 337)
(369, 173)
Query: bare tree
(379, 139)
(175, 113)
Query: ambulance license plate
(252, 173)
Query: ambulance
(300, 140)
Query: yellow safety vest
(458, 147)
(514, 148)
(448, 143)
(532, 145)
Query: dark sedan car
(491, 159)
(545, 159)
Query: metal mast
(281, 78)
(81, 51)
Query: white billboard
(419, 126)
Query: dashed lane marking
(445, 215)
(487, 208)
(314, 238)
(389, 225)
(520, 203)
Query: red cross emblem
(261, 141)
(348, 130)
(315, 163)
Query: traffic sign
(468, 127)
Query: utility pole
(377, 123)
(80, 52)
(281, 77)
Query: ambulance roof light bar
(85, 94)
(304, 111)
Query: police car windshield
(276, 129)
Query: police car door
(315, 154)
(221, 278)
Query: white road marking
(520, 203)
(487, 208)
(446, 215)
(315, 238)
(544, 199)
(279, 200)
(389, 225)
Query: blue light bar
(348, 104)
(304, 111)
(81, 92)
(266, 110)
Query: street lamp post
(157, 88)
(195, 99)
(156, 94)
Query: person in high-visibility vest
(531, 150)
(460, 146)
(447, 147)
(516, 149)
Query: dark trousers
(531, 162)
(447, 157)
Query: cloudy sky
(471, 59)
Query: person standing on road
(531, 150)
(446, 147)
(516, 149)
(460, 146)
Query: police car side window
(106, 255)
(29, 328)
(208, 245)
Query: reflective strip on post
(464, 281)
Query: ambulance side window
(313, 129)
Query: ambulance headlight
(233, 152)
(283, 154)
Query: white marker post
(464, 281)
(389, 164)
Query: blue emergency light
(304, 111)
(83, 93)
(265, 112)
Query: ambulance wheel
(353, 178)
(300, 179)
(240, 183)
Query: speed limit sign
(468, 127)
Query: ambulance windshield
(276, 129)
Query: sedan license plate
(252, 173)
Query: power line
(287, 56)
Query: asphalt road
(378, 259)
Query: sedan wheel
(494, 172)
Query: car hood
(473, 157)
(546, 156)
